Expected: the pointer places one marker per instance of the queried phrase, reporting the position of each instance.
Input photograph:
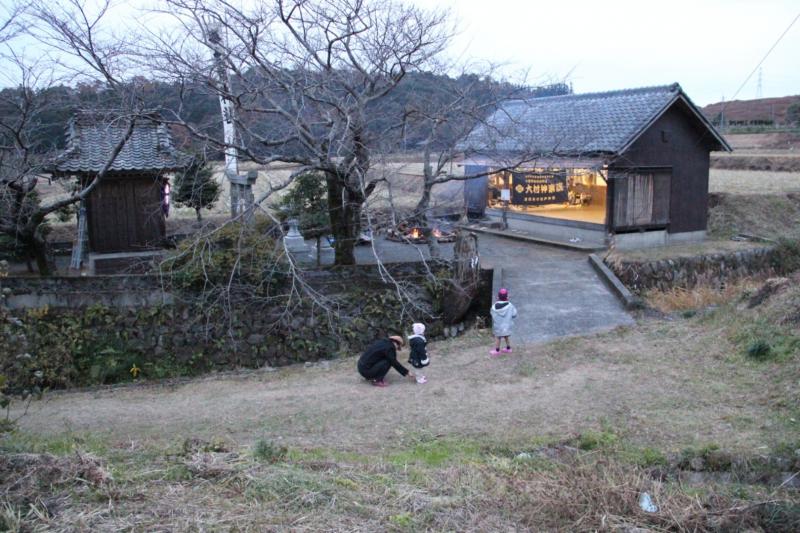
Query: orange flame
(437, 233)
(416, 233)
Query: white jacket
(503, 315)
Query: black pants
(376, 371)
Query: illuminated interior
(577, 194)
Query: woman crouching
(379, 357)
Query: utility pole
(241, 187)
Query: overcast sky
(708, 46)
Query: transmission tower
(758, 87)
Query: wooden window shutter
(641, 199)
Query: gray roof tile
(92, 137)
(572, 124)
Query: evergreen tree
(307, 201)
(196, 187)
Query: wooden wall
(678, 141)
(124, 215)
(476, 190)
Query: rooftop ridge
(673, 88)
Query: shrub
(267, 451)
(234, 254)
(307, 201)
(593, 440)
(786, 257)
(759, 349)
(647, 457)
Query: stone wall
(686, 272)
(91, 341)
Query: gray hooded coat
(503, 315)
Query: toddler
(418, 358)
(503, 315)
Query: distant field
(764, 141)
(753, 181)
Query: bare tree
(65, 30)
(308, 79)
(23, 165)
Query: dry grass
(552, 488)
(699, 297)
(753, 181)
(711, 246)
(764, 215)
(486, 445)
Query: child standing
(417, 343)
(503, 315)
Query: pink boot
(507, 349)
(495, 352)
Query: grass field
(557, 436)
(753, 182)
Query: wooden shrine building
(632, 164)
(127, 208)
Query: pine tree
(196, 187)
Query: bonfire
(416, 234)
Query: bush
(759, 349)
(307, 201)
(267, 451)
(235, 254)
(593, 440)
(787, 256)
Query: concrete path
(556, 291)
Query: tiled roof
(572, 124)
(92, 137)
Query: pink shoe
(494, 353)
(507, 349)
(379, 383)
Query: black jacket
(381, 350)
(419, 355)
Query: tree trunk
(199, 216)
(344, 209)
(40, 253)
(421, 211)
(433, 242)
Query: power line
(763, 59)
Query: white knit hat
(419, 329)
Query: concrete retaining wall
(654, 239)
